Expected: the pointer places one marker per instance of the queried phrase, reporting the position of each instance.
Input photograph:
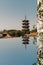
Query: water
(14, 52)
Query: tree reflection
(34, 40)
(34, 64)
(40, 51)
(25, 41)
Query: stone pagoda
(25, 25)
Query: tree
(34, 29)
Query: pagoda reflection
(25, 41)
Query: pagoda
(25, 25)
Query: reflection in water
(34, 40)
(25, 41)
(40, 51)
(39, 41)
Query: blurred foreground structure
(40, 16)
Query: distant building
(25, 25)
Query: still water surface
(14, 52)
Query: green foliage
(41, 34)
(26, 31)
(14, 33)
(34, 29)
(40, 13)
(39, 6)
(42, 1)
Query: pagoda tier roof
(25, 21)
(25, 38)
(25, 26)
(25, 42)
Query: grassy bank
(31, 34)
(16, 33)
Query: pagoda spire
(25, 17)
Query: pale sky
(12, 12)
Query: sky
(12, 12)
